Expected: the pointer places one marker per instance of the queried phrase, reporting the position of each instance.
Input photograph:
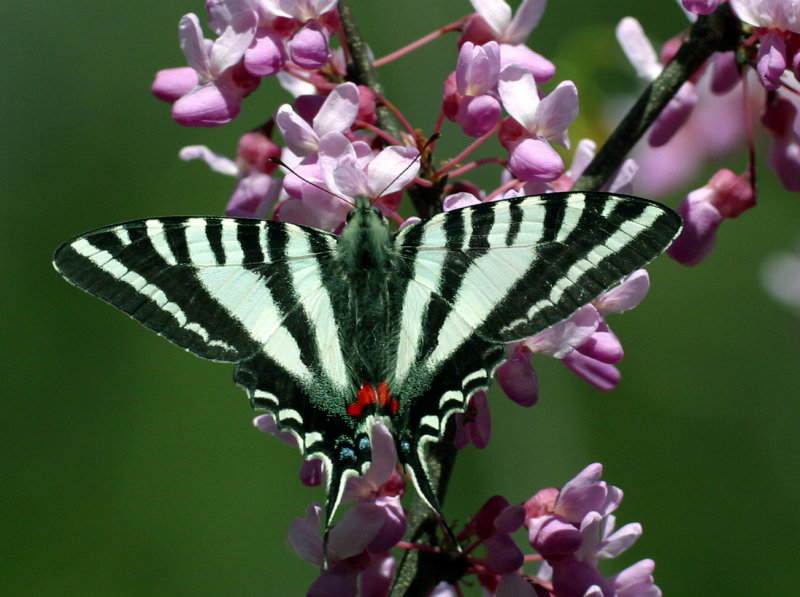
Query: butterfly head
(366, 240)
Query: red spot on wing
(368, 395)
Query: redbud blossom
(494, 21)
(534, 124)
(475, 424)
(474, 103)
(266, 55)
(726, 195)
(222, 80)
(309, 46)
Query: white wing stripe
(316, 303)
(155, 231)
(106, 262)
(245, 296)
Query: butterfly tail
(420, 476)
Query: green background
(131, 468)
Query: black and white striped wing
(224, 289)
(265, 295)
(499, 272)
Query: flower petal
(392, 170)
(638, 49)
(297, 133)
(556, 112)
(229, 47)
(193, 45)
(339, 110)
(528, 15)
(496, 13)
(520, 95)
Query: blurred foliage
(131, 468)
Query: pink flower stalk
(534, 124)
(726, 195)
(643, 57)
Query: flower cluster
(571, 529)
(309, 160)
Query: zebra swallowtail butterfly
(330, 333)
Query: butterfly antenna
(283, 164)
(433, 138)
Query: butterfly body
(329, 333)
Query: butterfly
(330, 334)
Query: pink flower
(343, 171)
(473, 101)
(300, 10)
(573, 529)
(358, 545)
(475, 424)
(309, 46)
(726, 195)
(494, 21)
(493, 526)
(583, 342)
(222, 82)
(172, 83)
(266, 54)
(535, 124)
(770, 14)
(337, 113)
(347, 553)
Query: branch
(717, 32)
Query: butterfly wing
(499, 272)
(257, 293)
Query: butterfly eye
(350, 215)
